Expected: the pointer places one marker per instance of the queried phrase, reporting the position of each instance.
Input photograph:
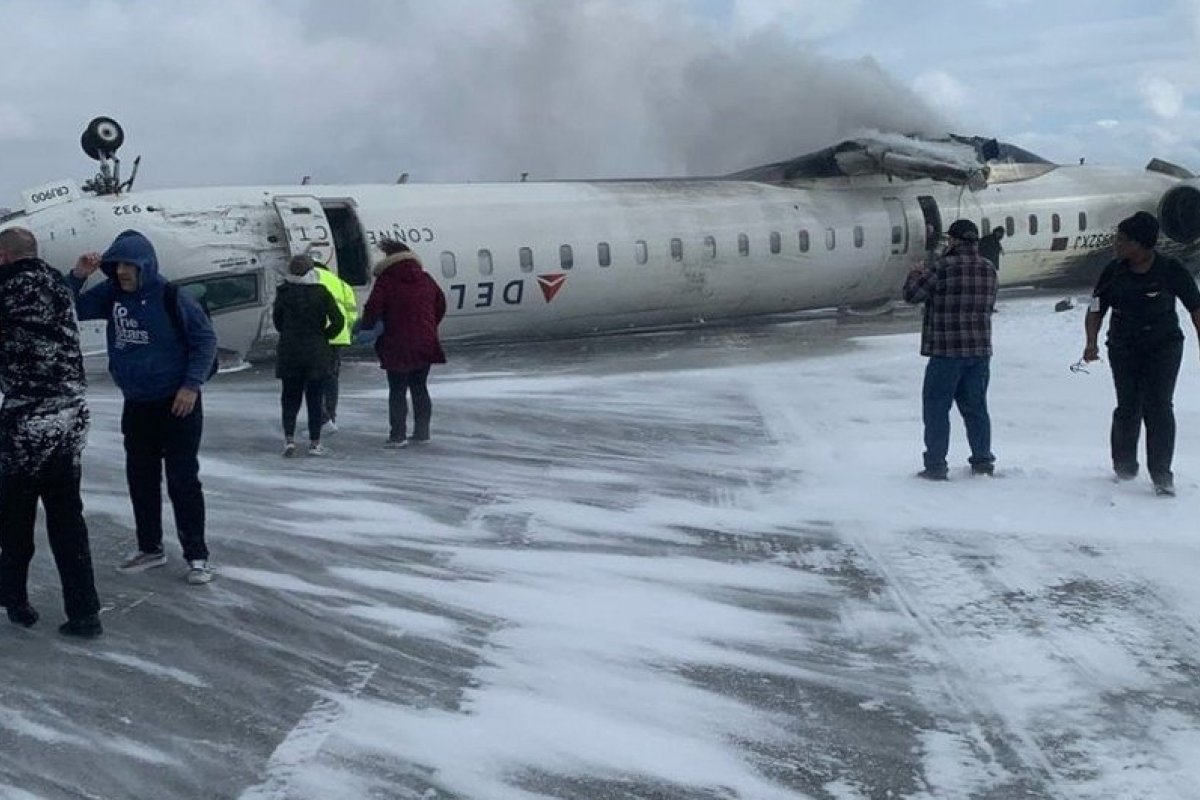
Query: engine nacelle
(1179, 212)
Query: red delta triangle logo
(550, 284)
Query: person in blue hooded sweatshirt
(159, 367)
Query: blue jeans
(961, 381)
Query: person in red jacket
(409, 305)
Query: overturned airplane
(839, 227)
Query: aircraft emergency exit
(530, 260)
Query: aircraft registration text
(1093, 241)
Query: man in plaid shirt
(959, 293)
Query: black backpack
(171, 301)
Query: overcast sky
(267, 91)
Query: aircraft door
(933, 221)
(898, 222)
(887, 282)
(353, 264)
(307, 229)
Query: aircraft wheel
(103, 136)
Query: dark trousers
(332, 384)
(57, 486)
(962, 382)
(155, 437)
(311, 393)
(1144, 378)
(398, 384)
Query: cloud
(270, 90)
(942, 91)
(800, 19)
(15, 124)
(266, 91)
(1162, 97)
(1192, 9)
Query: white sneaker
(199, 572)
(396, 444)
(289, 449)
(139, 561)
(330, 427)
(317, 449)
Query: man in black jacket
(990, 247)
(43, 428)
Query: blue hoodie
(146, 357)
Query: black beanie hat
(300, 265)
(964, 230)
(1142, 228)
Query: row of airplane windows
(1032, 226)
(641, 250)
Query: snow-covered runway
(689, 565)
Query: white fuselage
(546, 260)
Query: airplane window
(566, 257)
(449, 265)
(897, 234)
(526, 257)
(677, 249)
(224, 293)
(743, 244)
(776, 242)
(640, 253)
(859, 236)
(1033, 225)
(602, 254)
(1010, 226)
(803, 241)
(830, 238)
(1055, 223)
(710, 246)
(1082, 221)
(485, 262)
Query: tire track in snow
(911, 576)
(306, 739)
(991, 736)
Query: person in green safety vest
(347, 303)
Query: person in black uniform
(990, 247)
(1145, 345)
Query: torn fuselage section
(973, 162)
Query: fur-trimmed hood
(413, 265)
